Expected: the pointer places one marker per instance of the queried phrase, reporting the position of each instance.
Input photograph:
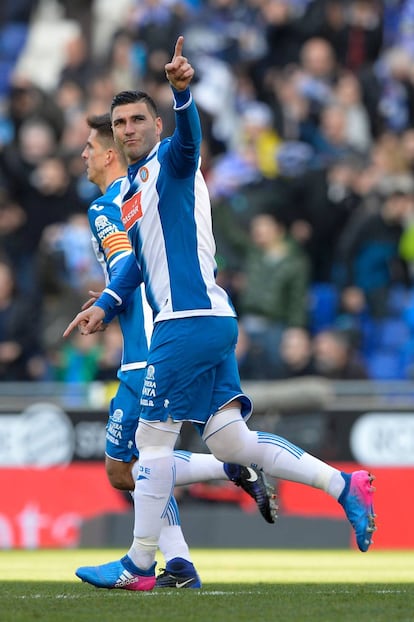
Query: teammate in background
(191, 366)
(106, 167)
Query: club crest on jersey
(150, 372)
(131, 211)
(144, 173)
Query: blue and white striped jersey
(166, 212)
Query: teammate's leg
(197, 467)
(153, 490)
(120, 473)
(229, 439)
(179, 570)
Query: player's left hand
(179, 72)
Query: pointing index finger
(179, 47)
(70, 328)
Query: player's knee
(225, 451)
(119, 475)
(154, 452)
(158, 434)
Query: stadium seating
(392, 334)
(384, 366)
(13, 36)
(323, 306)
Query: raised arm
(184, 149)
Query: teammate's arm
(112, 298)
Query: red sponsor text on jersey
(131, 211)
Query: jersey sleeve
(183, 147)
(113, 251)
(111, 245)
(119, 290)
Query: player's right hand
(88, 321)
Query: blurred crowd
(307, 108)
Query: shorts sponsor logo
(117, 415)
(112, 439)
(114, 430)
(149, 390)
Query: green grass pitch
(238, 585)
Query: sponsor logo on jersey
(104, 227)
(131, 211)
(101, 222)
(117, 415)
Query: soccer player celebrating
(106, 167)
(191, 372)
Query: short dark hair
(102, 124)
(132, 97)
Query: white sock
(277, 456)
(285, 460)
(135, 470)
(153, 489)
(172, 543)
(191, 468)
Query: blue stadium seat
(323, 306)
(384, 366)
(391, 334)
(407, 359)
(13, 37)
(408, 314)
(6, 69)
(398, 299)
(368, 335)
